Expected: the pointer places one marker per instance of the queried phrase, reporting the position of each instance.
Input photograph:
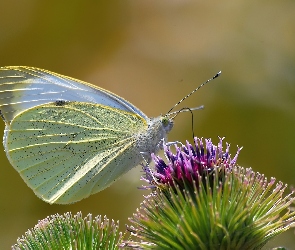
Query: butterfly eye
(165, 121)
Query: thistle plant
(71, 232)
(202, 199)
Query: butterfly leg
(168, 144)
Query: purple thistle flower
(189, 163)
(202, 200)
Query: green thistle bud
(71, 232)
(202, 200)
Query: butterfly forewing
(66, 151)
(22, 88)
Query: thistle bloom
(202, 199)
(188, 164)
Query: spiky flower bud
(71, 232)
(203, 200)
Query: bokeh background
(153, 53)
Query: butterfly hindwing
(66, 151)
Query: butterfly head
(167, 123)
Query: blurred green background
(153, 53)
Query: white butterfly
(69, 139)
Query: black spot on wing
(60, 103)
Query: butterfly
(69, 139)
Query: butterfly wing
(66, 151)
(22, 88)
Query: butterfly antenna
(218, 74)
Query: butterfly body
(69, 139)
